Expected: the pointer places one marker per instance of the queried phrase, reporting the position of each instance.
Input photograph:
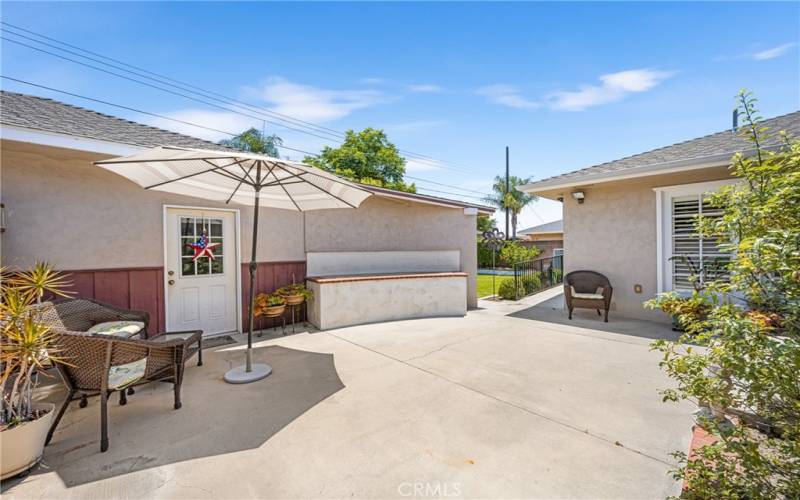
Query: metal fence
(531, 276)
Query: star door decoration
(202, 248)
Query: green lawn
(485, 284)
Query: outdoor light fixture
(579, 196)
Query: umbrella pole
(253, 266)
(250, 372)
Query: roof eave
(720, 160)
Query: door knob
(171, 282)
(170, 272)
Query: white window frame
(664, 196)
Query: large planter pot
(293, 300)
(21, 447)
(272, 311)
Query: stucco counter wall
(345, 301)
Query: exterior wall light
(579, 196)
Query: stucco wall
(337, 305)
(61, 208)
(614, 232)
(389, 224)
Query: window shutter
(703, 253)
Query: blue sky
(565, 85)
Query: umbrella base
(238, 375)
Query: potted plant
(28, 346)
(295, 293)
(269, 305)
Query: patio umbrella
(245, 179)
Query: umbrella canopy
(242, 178)
(235, 177)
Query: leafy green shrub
(513, 252)
(507, 290)
(525, 285)
(485, 255)
(746, 369)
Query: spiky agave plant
(26, 346)
(40, 279)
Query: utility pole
(508, 190)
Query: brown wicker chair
(587, 289)
(91, 357)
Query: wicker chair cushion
(597, 295)
(122, 375)
(129, 329)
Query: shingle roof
(49, 115)
(548, 227)
(40, 113)
(694, 151)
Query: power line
(232, 134)
(204, 93)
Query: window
(192, 230)
(682, 253)
(693, 257)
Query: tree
(254, 141)
(514, 200)
(485, 223)
(739, 357)
(367, 157)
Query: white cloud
(507, 95)
(773, 52)
(424, 88)
(220, 120)
(418, 165)
(614, 87)
(416, 125)
(311, 103)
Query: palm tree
(514, 200)
(254, 141)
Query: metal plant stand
(295, 307)
(494, 240)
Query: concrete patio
(508, 401)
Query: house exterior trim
(66, 141)
(663, 214)
(646, 171)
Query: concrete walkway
(505, 402)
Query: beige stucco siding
(388, 224)
(56, 199)
(61, 208)
(614, 232)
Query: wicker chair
(587, 289)
(99, 363)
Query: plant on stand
(28, 348)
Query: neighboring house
(113, 236)
(628, 217)
(549, 238)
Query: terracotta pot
(21, 447)
(273, 311)
(293, 300)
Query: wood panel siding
(269, 277)
(142, 288)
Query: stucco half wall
(614, 232)
(61, 208)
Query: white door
(200, 270)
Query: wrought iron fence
(531, 276)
